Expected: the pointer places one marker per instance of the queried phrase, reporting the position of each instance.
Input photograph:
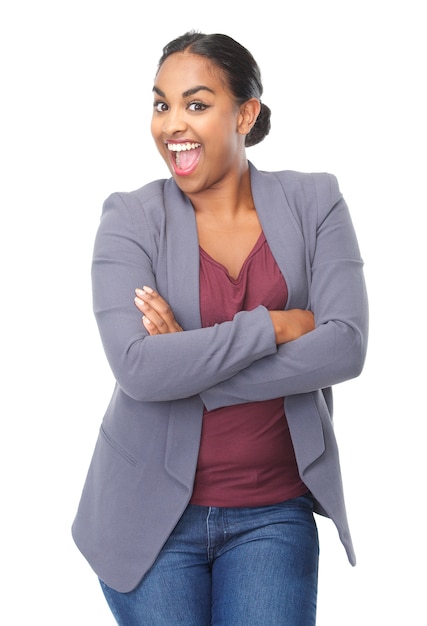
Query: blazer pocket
(112, 443)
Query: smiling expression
(196, 123)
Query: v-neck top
(246, 457)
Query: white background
(345, 82)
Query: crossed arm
(158, 318)
(258, 355)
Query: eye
(197, 106)
(160, 106)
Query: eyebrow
(188, 92)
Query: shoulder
(141, 209)
(151, 194)
(303, 185)
(307, 193)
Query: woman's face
(196, 123)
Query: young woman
(218, 445)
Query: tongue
(186, 158)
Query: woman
(217, 445)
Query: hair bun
(261, 128)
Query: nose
(173, 122)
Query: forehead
(182, 71)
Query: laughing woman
(229, 300)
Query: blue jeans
(230, 567)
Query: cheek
(157, 136)
(156, 128)
(226, 140)
(227, 129)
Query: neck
(227, 198)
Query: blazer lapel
(283, 233)
(182, 256)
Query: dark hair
(238, 66)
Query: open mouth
(184, 156)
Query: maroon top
(246, 455)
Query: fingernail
(148, 289)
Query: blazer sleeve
(174, 365)
(335, 351)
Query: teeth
(178, 147)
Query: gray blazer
(141, 475)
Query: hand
(289, 325)
(158, 317)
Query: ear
(248, 114)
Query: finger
(155, 301)
(158, 311)
(164, 321)
(152, 315)
(139, 303)
(150, 303)
(150, 295)
(149, 326)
